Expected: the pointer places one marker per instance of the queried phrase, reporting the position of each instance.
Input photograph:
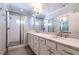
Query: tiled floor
(20, 51)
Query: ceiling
(22, 8)
(27, 8)
(51, 7)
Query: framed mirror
(64, 24)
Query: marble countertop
(66, 41)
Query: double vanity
(45, 44)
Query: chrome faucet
(63, 34)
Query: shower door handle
(8, 28)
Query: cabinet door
(29, 39)
(51, 44)
(32, 42)
(42, 41)
(36, 44)
(44, 50)
(36, 48)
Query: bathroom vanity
(45, 44)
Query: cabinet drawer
(52, 45)
(42, 41)
(67, 50)
(44, 50)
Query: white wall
(73, 19)
(26, 28)
(72, 12)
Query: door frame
(7, 28)
(20, 29)
(6, 31)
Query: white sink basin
(57, 37)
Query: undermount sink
(57, 37)
(54, 36)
